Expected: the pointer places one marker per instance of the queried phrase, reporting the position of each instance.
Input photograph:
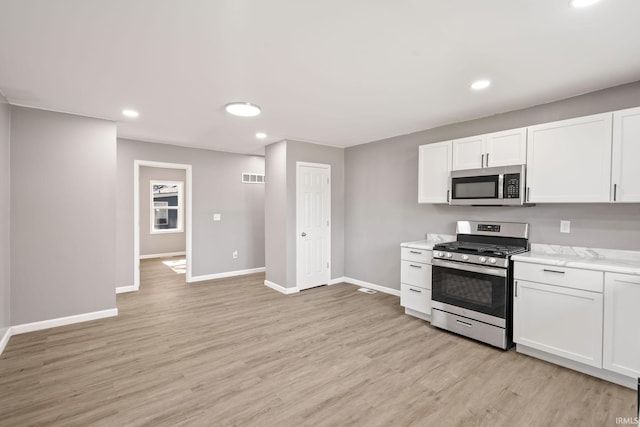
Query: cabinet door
(561, 321)
(570, 161)
(433, 172)
(468, 153)
(626, 156)
(506, 148)
(621, 321)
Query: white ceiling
(334, 72)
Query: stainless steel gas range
(472, 284)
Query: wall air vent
(252, 178)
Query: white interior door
(313, 218)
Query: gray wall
(313, 153)
(217, 188)
(151, 244)
(280, 207)
(5, 200)
(275, 213)
(381, 194)
(63, 174)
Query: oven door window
(473, 291)
(476, 187)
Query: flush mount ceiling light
(480, 84)
(582, 3)
(261, 135)
(242, 109)
(130, 113)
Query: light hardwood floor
(234, 352)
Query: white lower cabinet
(558, 320)
(415, 298)
(415, 282)
(621, 323)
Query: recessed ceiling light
(242, 109)
(130, 113)
(582, 3)
(480, 84)
(261, 135)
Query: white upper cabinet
(468, 153)
(626, 156)
(506, 148)
(503, 148)
(433, 172)
(570, 161)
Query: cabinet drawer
(415, 298)
(586, 280)
(416, 255)
(416, 274)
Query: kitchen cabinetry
(503, 148)
(626, 153)
(570, 161)
(415, 282)
(559, 311)
(621, 320)
(433, 172)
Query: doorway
(166, 214)
(313, 224)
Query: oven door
(470, 290)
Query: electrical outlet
(217, 217)
(565, 226)
(235, 254)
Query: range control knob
(449, 254)
(465, 257)
(482, 259)
(492, 260)
(440, 254)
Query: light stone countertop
(608, 260)
(428, 244)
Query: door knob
(303, 234)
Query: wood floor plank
(232, 352)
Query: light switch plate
(217, 217)
(565, 226)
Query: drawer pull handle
(415, 266)
(460, 322)
(415, 252)
(553, 271)
(415, 290)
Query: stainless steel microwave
(495, 186)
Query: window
(166, 207)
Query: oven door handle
(500, 272)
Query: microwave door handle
(501, 186)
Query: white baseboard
(226, 274)
(337, 280)
(167, 255)
(5, 339)
(62, 321)
(373, 286)
(580, 367)
(124, 289)
(281, 289)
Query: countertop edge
(603, 267)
